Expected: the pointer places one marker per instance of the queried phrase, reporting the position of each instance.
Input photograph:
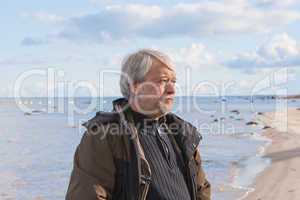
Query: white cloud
(279, 51)
(197, 56)
(182, 19)
(279, 47)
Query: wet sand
(281, 180)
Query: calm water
(37, 147)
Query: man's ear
(134, 88)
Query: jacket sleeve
(203, 186)
(93, 172)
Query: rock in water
(251, 123)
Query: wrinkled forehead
(162, 67)
(166, 61)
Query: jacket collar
(186, 134)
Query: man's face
(155, 95)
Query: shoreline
(281, 179)
(243, 177)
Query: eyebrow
(165, 76)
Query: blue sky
(239, 43)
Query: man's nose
(170, 87)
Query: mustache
(167, 97)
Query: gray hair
(136, 65)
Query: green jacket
(109, 162)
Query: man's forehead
(163, 67)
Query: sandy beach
(281, 180)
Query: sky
(221, 47)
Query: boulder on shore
(266, 127)
(235, 111)
(251, 123)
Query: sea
(38, 137)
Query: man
(140, 150)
